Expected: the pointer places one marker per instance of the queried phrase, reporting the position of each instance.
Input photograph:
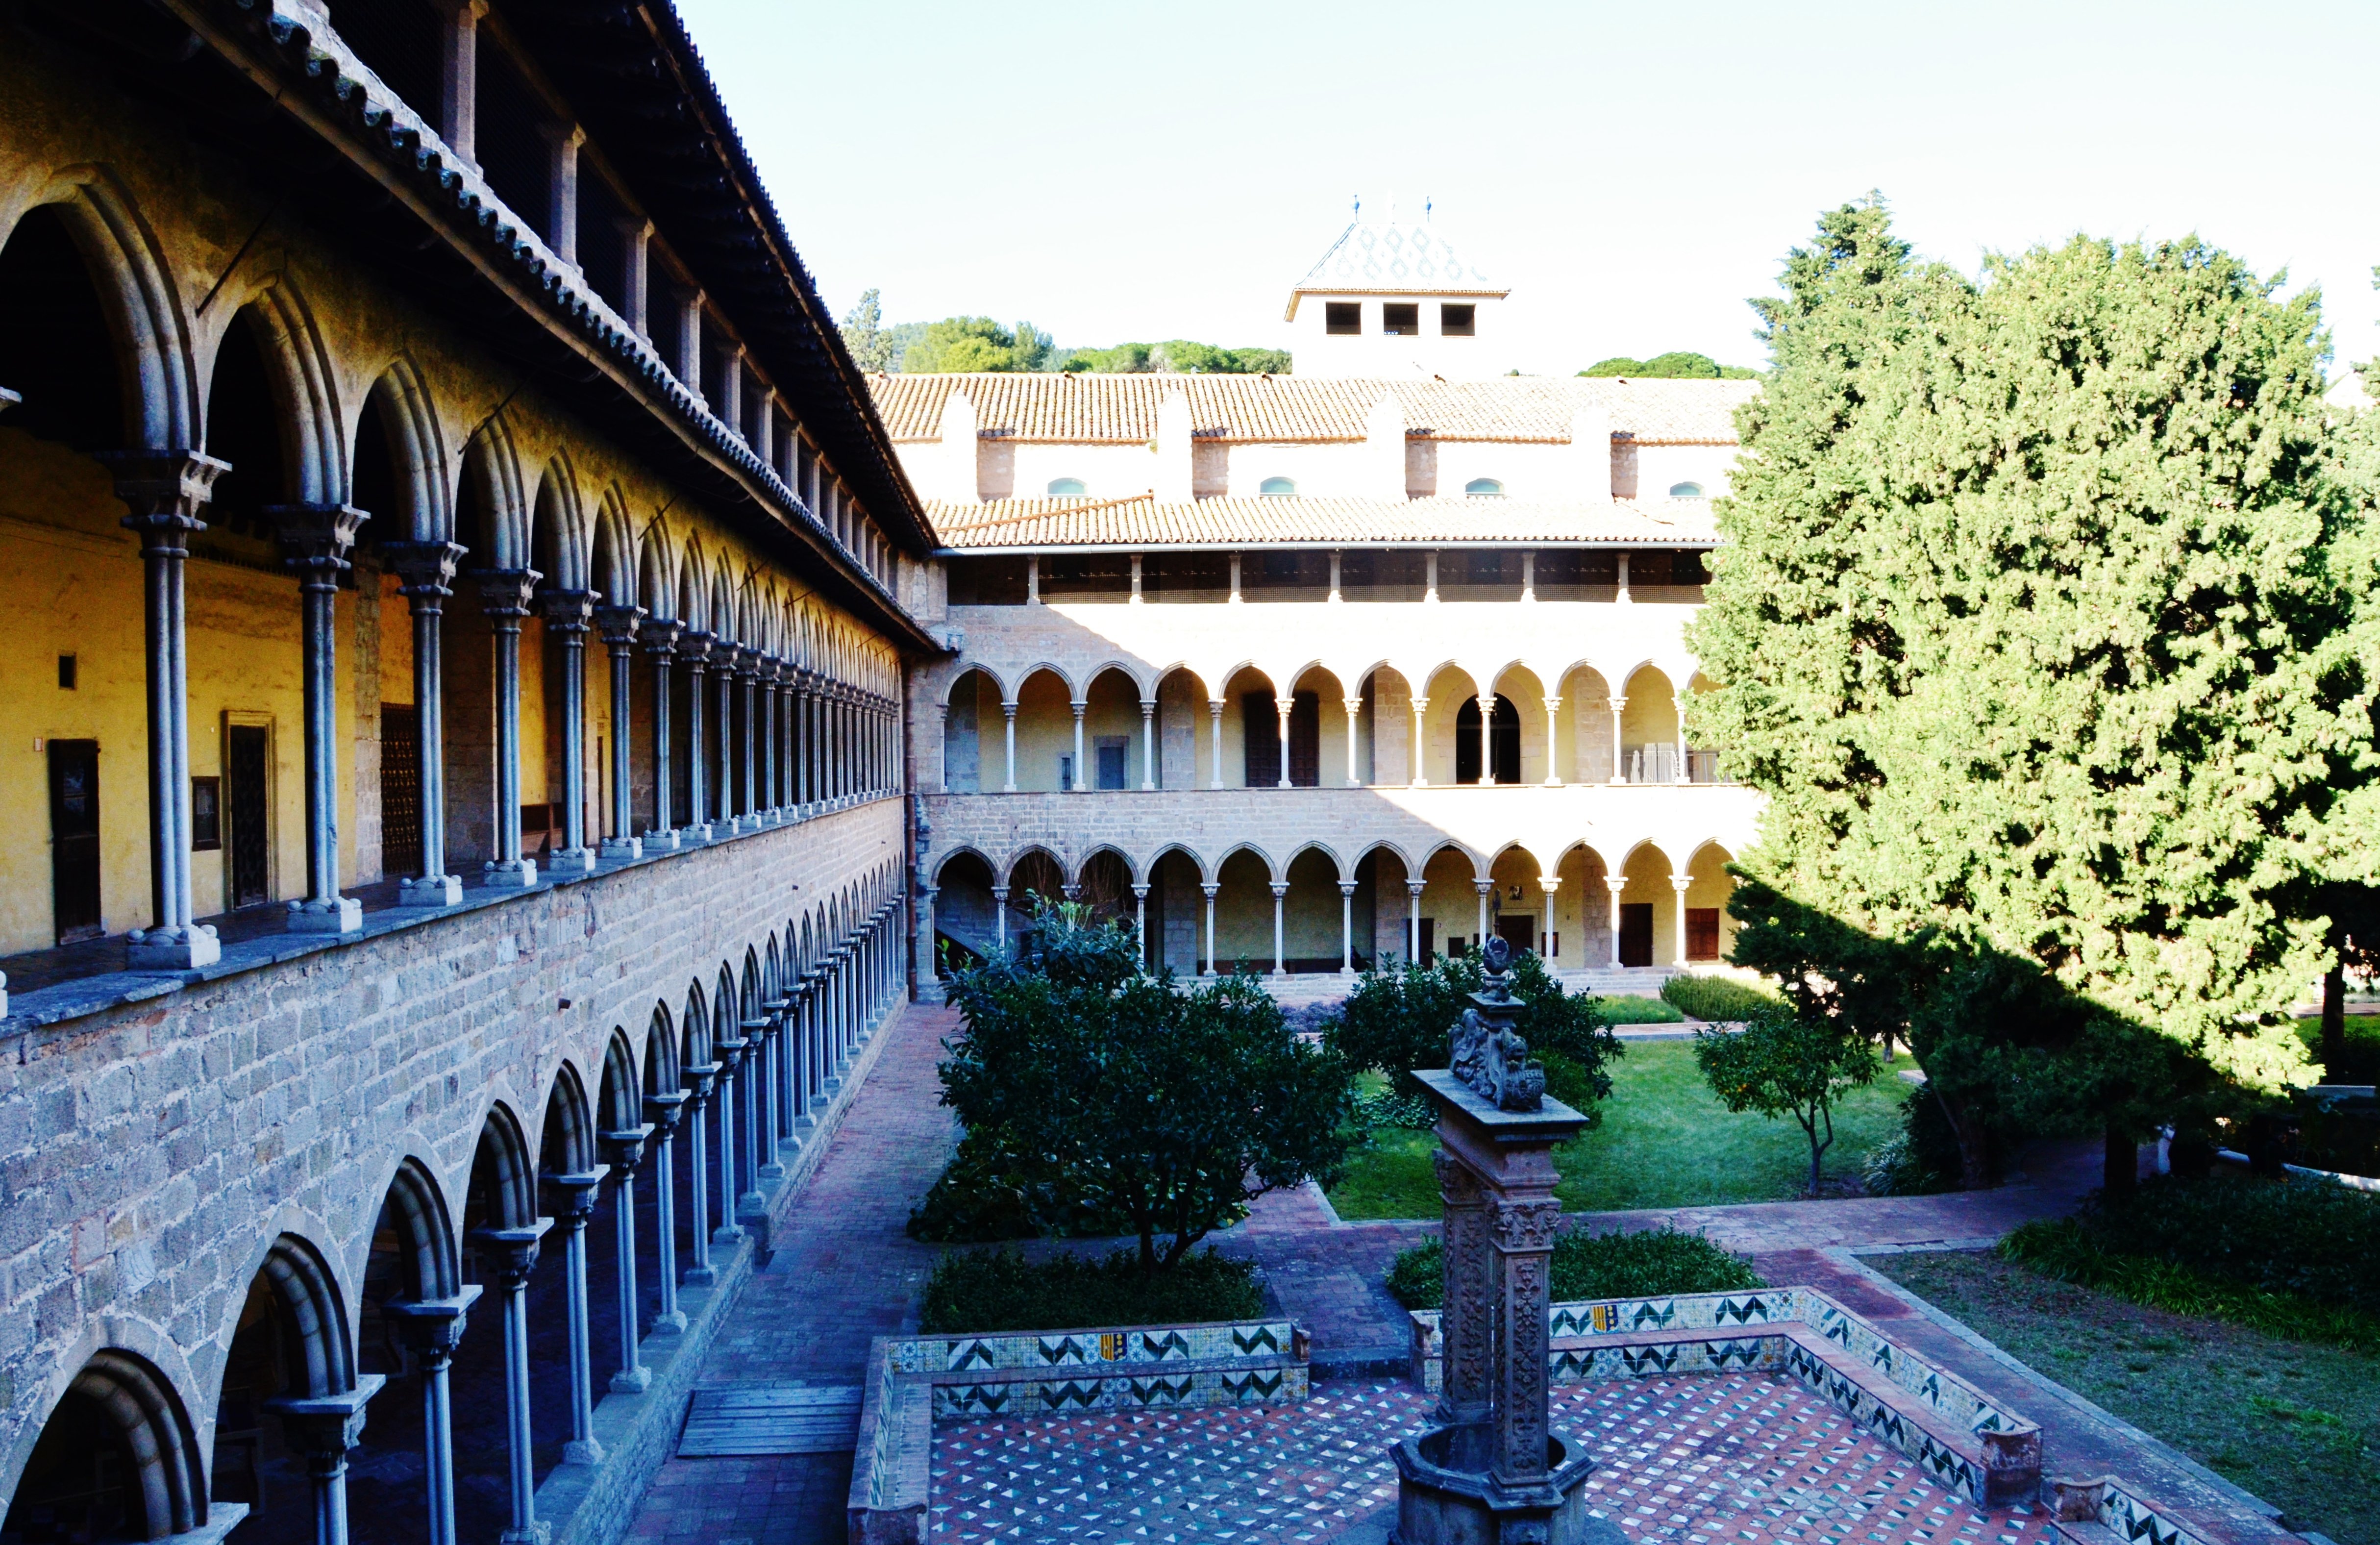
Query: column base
(804, 1124)
(727, 1234)
(699, 1276)
(632, 1381)
(330, 915)
(172, 949)
(699, 831)
(582, 1451)
(772, 1171)
(434, 890)
(616, 849)
(661, 842)
(536, 1534)
(511, 875)
(670, 1324)
(571, 860)
(751, 1204)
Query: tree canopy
(2036, 622)
(1176, 356)
(1678, 365)
(958, 343)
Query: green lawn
(1661, 1140)
(2297, 1424)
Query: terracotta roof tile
(1122, 409)
(1145, 522)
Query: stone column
(458, 77)
(1211, 889)
(767, 802)
(1678, 883)
(805, 1069)
(636, 271)
(1140, 920)
(694, 647)
(505, 596)
(663, 1111)
(1486, 701)
(511, 1254)
(1008, 718)
(323, 1428)
(1283, 704)
(562, 142)
(1622, 596)
(804, 737)
(1466, 1323)
(723, 802)
(573, 1199)
(1355, 707)
(688, 366)
(748, 677)
(759, 1102)
(1346, 928)
(1521, 1228)
(730, 1049)
(1413, 925)
(660, 643)
(700, 1077)
(617, 627)
(164, 490)
(1486, 888)
(427, 572)
(431, 1329)
(999, 915)
(1553, 764)
(1148, 746)
(1215, 725)
(1680, 776)
(1279, 893)
(317, 539)
(1549, 885)
(566, 613)
(626, 1149)
(1619, 763)
(1082, 774)
(1420, 778)
(1616, 884)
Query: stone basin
(1446, 1495)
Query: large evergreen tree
(2032, 626)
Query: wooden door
(1305, 740)
(400, 789)
(1517, 929)
(246, 753)
(74, 839)
(1635, 933)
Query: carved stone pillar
(566, 613)
(511, 1255)
(317, 539)
(1466, 1321)
(660, 635)
(323, 1428)
(730, 1050)
(1211, 890)
(505, 596)
(664, 1111)
(626, 1149)
(431, 1329)
(573, 1203)
(694, 648)
(427, 570)
(700, 1078)
(617, 627)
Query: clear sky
(1115, 172)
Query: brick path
(845, 1273)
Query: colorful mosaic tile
(1159, 1344)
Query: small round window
(1279, 488)
(1066, 488)
(1685, 490)
(1484, 488)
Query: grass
(1661, 1140)
(973, 1291)
(2065, 1249)
(1649, 1263)
(2297, 1424)
(1623, 1008)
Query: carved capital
(660, 636)
(1524, 1226)
(316, 538)
(505, 592)
(425, 569)
(566, 612)
(164, 490)
(574, 1196)
(694, 646)
(1457, 1187)
(619, 625)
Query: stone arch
(615, 569)
(656, 577)
(1382, 844)
(414, 1209)
(753, 988)
(1037, 869)
(1129, 868)
(121, 1403)
(314, 1315)
(661, 1061)
(1187, 852)
(694, 1038)
(693, 587)
(558, 536)
(313, 437)
(1272, 871)
(398, 411)
(725, 1023)
(619, 1102)
(1343, 870)
(491, 514)
(568, 1143)
(964, 850)
(504, 1172)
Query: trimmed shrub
(1627, 1008)
(1648, 1264)
(2066, 1249)
(1000, 1290)
(2312, 1239)
(1718, 1000)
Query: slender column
(431, 1329)
(1281, 704)
(636, 270)
(1529, 576)
(660, 643)
(1215, 724)
(1412, 923)
(1553, 764)
(1280, 894)
(700, 1078)
(1211, 889)
(1622, 596)
(617, 627)
(1616, 885)
(1619, 767)
(1680, 774)
(317, 539)
(665, 1111)
(1082, 773)
(725, 801)
(427, 572)
(1346, 928)
(731, 390)
(565, 614)
(562, 142)
(1140, 918)
(323, 1428)
(1521, 1233)
(1148, 746)
(807, 1074)
(505, 596)
(1355, 707)
(1420, 778)
(761, 1124)
(748, 677)
(1678, 883)
(999, 915)
(688, 363)
(1008, 718)
(1429, 578)
(458, 77)
(1466, 1324)
(805, 743)
(164, 490)
(694, 646)
(574, 1197)
(626, 1149)
(1550, 883)
(767, 800)
(730, 1049)
(511, 1254)
(1486, 701)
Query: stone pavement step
(771, 1419)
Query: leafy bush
(2309, 1238)
(2070, 1251)
(1650, 1263)
(1568, 1083)
(1403, 1018)
(1000, 1290)
(1625, 1008)
(2360, 1065)
(1719, 1000)
(1781, 1064)
(1893, 1168)
(1391, 1107)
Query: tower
(1394, 298)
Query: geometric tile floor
(1732, 1459)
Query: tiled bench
(914, 1381)
(1955, 1432)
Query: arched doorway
(1504, 742)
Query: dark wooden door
(1429, 939)
(1260, 726)
(1517, 929)
(400, 789)
(1305, 740)
(1701, 933)
(245, 751)
(1635, 933)
(74, 839)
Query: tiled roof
(1145, 522)
(1122, 409)
(1392, 257)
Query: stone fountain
(1492, 1472)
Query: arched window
(1685, 490)
(1484, 488)
(1066, 488)
(1279, 488)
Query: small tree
(1780, 1063)
(1402, 1018)
(1108, 1091)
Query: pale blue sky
(1632, 172)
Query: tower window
(1279, 488)
(1457, 322)
(1402, 319)
(1343, 316)
(1686, 491)
(1066, 488)
(1484, 488)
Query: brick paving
(1748, 1458)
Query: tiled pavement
(1750, 1458)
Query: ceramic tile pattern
(1749, 1459)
